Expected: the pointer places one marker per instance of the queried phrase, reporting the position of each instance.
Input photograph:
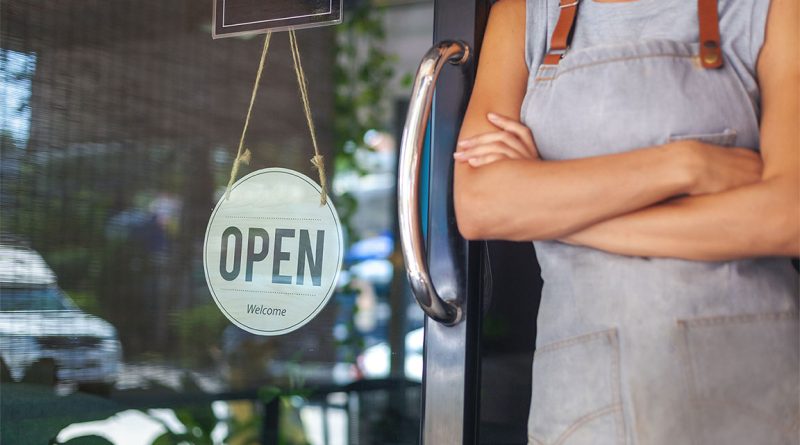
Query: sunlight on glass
(16, 72)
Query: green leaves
(362, 76)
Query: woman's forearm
(529, 200)
(762, 219)
(753, 220)
(524, 200)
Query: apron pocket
(576, 392)
(726, 138)
(743, 374)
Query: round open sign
(272, 254)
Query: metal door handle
(411, 145)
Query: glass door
(119, 122)
(483, 296)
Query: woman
(656, 167)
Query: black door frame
(451, 378)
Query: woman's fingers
(495, 137)
(722, 168)
(513, 133)
(485, 160)
(486, 150)
(514, 141)
(487, 154)
(515, 127)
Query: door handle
(447, 312)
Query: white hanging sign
(272, 254)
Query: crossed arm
(730, 205)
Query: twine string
(244, 158)
(243, 155)
(318, 160)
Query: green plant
(361, 77)
(197, 328)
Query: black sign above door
(237, 17)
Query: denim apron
(637, 350)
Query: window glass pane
(119, 122)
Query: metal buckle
(559, 52)
(567, 5)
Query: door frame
(451, 375)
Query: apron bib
(634, 350)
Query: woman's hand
(513, 141)
(716, 168)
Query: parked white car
(43, 332)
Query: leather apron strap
(710, 47)
(707, 17)
(562, 34)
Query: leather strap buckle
(710, 45)
(554, 56)
(562, 34)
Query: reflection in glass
(118, 122)
(44, 337)
(34, 299)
